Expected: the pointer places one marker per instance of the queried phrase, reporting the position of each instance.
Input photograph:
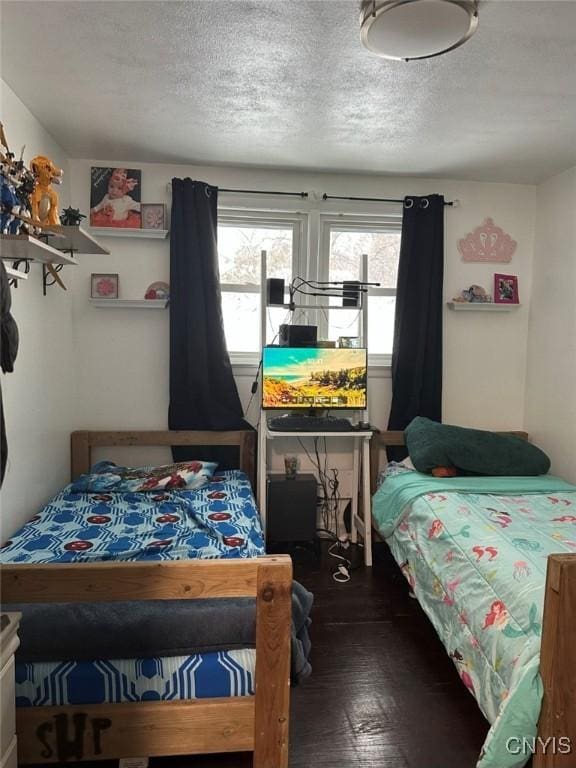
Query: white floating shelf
(15, 274)
(129, 303)
(75, 239)
(159, 234)
(473, 306)
(17, 247)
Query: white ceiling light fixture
(416, 29)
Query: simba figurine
(44, 200)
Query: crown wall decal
(487, 243)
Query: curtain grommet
(424, 203)
(408, 203)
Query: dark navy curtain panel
(417, 349)
(203, 393)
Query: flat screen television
(314, 378)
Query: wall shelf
(26, 247)
(159, 234)
(472, 306)
(129, 303)
(74, 238)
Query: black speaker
(274, 291)
(350, 293)
(291, 510)
(297, 335)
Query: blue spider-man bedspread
(219, 520)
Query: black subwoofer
(291, 510)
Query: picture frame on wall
(104, 285)
(506, 289)
(115, 197)
(153, 216)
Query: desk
(360, 524)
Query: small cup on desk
(290, 467)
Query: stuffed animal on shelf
(44, 200)
(71, 217)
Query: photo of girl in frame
(506, 289)
(115, 195)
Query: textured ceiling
(286, 83)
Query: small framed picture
(153, 216)
(506, 289)
(104, 286)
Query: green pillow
(471, 451)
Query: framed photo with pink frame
(506, 289)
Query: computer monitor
(314, 378)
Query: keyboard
(309, 424)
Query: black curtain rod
(372, 199)
(263, 192)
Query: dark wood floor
(383, 693)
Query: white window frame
(351, 223)
(298, 222)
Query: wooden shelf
(15, 274)
(472, 306)
(75, 239)
(19, 247)
(129, 303)
(159, 234)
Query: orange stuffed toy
(44, 200)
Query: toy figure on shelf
(71, 217)
(24, 188)
(44, 200)
(475, 295)
(8, 198)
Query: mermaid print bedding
(474, 550)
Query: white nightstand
(9, 642)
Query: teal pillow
(471, 451)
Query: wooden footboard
(96, 732)
(556, 744)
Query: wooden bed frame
(558, 648)
(235, 724)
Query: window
(241, 239)
(344, 241)
(339, 241)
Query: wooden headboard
(383, 439)
(82, 442)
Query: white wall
(114, 363)
(485, 353)
(40, 395)
(551, 372)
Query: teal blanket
(474, 550)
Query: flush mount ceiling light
(416, 29)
